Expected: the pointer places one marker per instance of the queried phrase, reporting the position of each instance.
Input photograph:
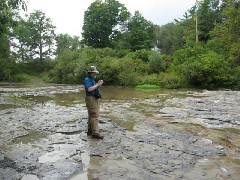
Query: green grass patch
(147, 86)
(18, 100)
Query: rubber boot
(95, 130)
(89, 132)
(97, 136)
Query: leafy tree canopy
(65, 41)
(140, 32)
(7, 8)
(42, 34)
(101, 21)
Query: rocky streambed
(164, 134)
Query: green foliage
(229, 31)
(4, 46)
(188, 53)
(172, 80)
(235, 82)
(65, 41)
(21, 44)
(33, 37)
(170, 37)
(158, 63)
(209, 13)
(191, 66)
(71, 67)
(153, 79)
(126, 78)
(120, 53)
(147, 86)
(140, 54)
(7, 69)
(35, 67)
(45, 76)
(7, 9)
(41, 35)
(130, 71)
(140, 34)
(22, 78)
(100, 22)
(122, 47)
(208, 70)
(216, 45)
(63, 72)
(109, 70)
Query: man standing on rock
(92, 101)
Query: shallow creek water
(149, 134)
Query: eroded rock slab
(148, 137)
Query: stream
(148, 134)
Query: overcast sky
(67, 15)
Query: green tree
(65, 41)
(140, 33)
(42, 35)
(170, 37)
(21, 43)
(209, 14)
(187, 22)
(228, 31)
(101, 21)
(8, 9)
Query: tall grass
(147, 86)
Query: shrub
(172, 80)
(234, 79)
(140, 54)
(109, 70)
(64, 70)
(130, 71)
(45, 76)
(216, 45)
(208, 70)
(126, 78)
(149, 79)
(188, 54)
(6, 69)
(158, 62)
(22, 78)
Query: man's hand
(99, 83)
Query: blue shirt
(89, 82)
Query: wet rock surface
(152, 135)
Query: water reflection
(108, 94)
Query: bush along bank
(188, 67)
(192, 66)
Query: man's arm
(98, 84)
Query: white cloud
(67, 15)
